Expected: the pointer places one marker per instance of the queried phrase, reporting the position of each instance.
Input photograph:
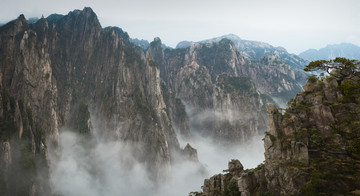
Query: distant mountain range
(255, 49)
(332, 51)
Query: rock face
(67, 71)
(254, 50)
(310, 149)
(236, 181)
(224, 92)
(190, 153)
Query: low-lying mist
(83, 165)
(215, 158)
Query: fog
(83, 165)
(110, 169)
(215, 158)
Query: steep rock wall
(224, 92)
(66, 71)
(311, 148)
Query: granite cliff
(311, 148)
(254, 50)
(67, 71)
(224, 91)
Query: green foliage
(343, 67)
(350, 90)
(231, 83)
(272, 137)
(290, 102)
(153, 64)
(316, 139)
(312, 78)
(303, 133)
(231, 189)
(329, 176)
(303, 106)
(260, 193)
(286, 115)
(260, 167)
(216, 57)
(330, 172)
(315, 65)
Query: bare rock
(235, 167)
(190, 153)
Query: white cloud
(83, 166)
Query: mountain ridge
(331, 51)
(255, 49)
(66, 73)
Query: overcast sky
(296, 25)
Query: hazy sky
(296, 25)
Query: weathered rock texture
(67, 71)
(224, 92)
(62, 70)
(255, 50)
(310, 149)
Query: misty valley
(87, 110)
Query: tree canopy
(339, 68)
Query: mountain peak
(86, 15)
(88, 10)
(21, 23)
(21, 18)
(156, 44)
(231, 37)
(157, 39)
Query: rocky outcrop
(66, 71)
(255, 50)
(310, 149)
(236, 181)
(190, 153)
(224, 92)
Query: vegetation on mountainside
(339, 68)
(232, 84)
(335, 155)
(231, 189)
(216, 57)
